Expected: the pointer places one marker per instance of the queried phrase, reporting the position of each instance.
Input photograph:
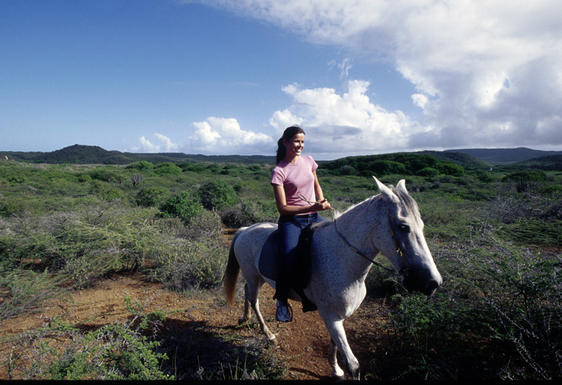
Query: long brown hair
(287, 135)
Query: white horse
(341, 256)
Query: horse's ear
(402, 186)
(385, 190)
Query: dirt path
(303, 343)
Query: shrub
(141, 165)
(192, 166)
(151, 196)
(110, 194)
(244, 214)
(526, 180)
(168, 168)
(484, 176)
(106, 175)
(449, 168)
(136, 179)
(184, 205)
(217, 195)
(198, 265)
(347, 170)
(384, 167)
(118, 351)
(84, 178)
(428, 171)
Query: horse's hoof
(272, 339)
(242, 321)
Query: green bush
(526, 176)
(449, 168)
(184, 205)
(168, 168)
(119, 351)
(428, 171)
(216, 195)
(244, 214)
(141, 165)
(151, 196)
(383, 167)
(198, 265)
(106, 175)
(193, 166)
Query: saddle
(269, 264)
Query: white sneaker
(283, 314)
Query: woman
(299, 197)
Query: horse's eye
(404, 228)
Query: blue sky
(225, 77)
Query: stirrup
(289, 311)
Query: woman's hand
(322, 205)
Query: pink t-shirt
(297, 179)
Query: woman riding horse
(299, 197)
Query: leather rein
(398, 249)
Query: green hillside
(551, 162)
(397, 163)
(81, 154)
(505, 155)
(424, 163)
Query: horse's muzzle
(421, 280)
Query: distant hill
(505, 155)
(466, 160)
(551, 162)
(82, 154)
(469, 159)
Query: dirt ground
(303, 344)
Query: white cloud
(419, 100)
(343, 67)
(344, 123)
(161, 143)
(224, 136)
(478, 66)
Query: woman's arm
(317, 188)
(320, 200)
(284, 209)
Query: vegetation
(495, 235)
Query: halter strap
(357, 251)
(399, 250)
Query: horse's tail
(231, 274)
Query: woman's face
(294, 146)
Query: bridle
(403, 271)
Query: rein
(398, 250)
(359, 252)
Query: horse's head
(405, 244)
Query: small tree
(184, 205)
(217, 195)
(168, 168)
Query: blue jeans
(290, 228)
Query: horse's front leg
(339, 339)
(333, 359)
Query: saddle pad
(269, 261)
(269, 257)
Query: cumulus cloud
(484, 72)
(160, 143)
(344, 123)
(224, 136)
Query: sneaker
(283, 314)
